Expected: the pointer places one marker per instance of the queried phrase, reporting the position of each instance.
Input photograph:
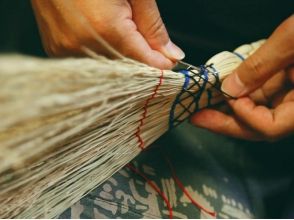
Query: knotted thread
(193, 78)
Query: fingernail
(233, 86)
(173, 52)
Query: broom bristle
(66, 125)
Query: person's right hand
(264, 85)
(133, 27)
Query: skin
(132, 27)
(263, 84)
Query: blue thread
(187, 78)
(239, 55)
(199, 78)
(217, 83)
(203, 72)
(184, 88)
(216, 75)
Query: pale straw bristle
(66, 125)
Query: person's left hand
(133, 27)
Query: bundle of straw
(66, 125)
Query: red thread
(138, 133)
(163, 196)
(182, 187)
(176, 179)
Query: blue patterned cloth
(212, 168)
(234, 178)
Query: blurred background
(202, 28)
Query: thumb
(276, 54)
(149, 23)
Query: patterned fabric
(128, 195)
(235, 178)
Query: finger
(135, 46)
(289, 97)
(68, 34)
(221, 123)
(123, 35)
(280, 98)
(148, 20)
(276, 54)
(265, 94)
(273, 124)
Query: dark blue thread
(216, 75)
(239, 55)
(187, 78)
(204, 73)
(177, 100)
(190, 94)
(197, 76)
(216, 84)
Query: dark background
(206, 27)
(202, 28)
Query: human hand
(132, 27)
(264, 84)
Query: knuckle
(156, 30)
(61, 47)
(255, 65)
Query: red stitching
(138, 132)
(182, 187)
(176, 179)
(163, 196)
